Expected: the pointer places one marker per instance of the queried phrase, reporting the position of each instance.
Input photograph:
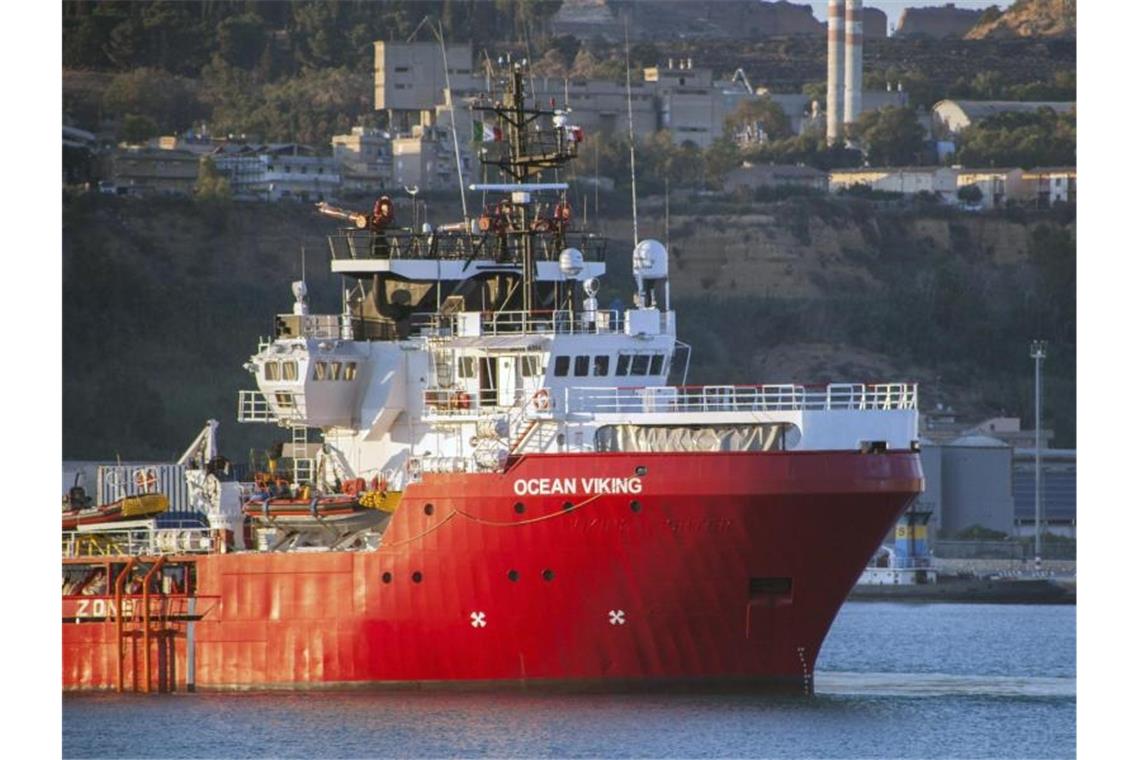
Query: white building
(941, 181)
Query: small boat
(127, 508)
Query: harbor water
(893, 681)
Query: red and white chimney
(835, 83)
(853, 62)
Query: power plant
(844, 66)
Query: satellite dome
(570, 263)
(650, 260)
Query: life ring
(542, 400)
(146, 479)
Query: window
(334, 370)
(531, 366)
(467, 366)
(581, 366)
(601, 366)
(289, 370)
(640, 365)
(320, 370)
(623, 365)
(561, 366)
(272, 371)
(284, 399)
(350, 371)
(655, 364)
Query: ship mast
(530, 149)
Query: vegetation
(1042, 138)
(890, 136)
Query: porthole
(429, 509)
(513, 576)
(635, 505)
(386, 577)
(548, 574)
(567, 505)
(417, 576)
(519, 507)
(640, 470)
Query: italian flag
(487, 133)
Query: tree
(763, 113)
(211, 185)
(890, 136)
(136, 129)
(970, 194)
(241, 40)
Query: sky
(894, 8)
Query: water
(893, 681)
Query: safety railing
(135, 542)
(562, 322)
(254, 407)
(742, 398)
(316, 326)
(458, 246)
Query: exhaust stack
(835, 79)
(853, 62)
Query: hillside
(1030, 18)
(164, 301)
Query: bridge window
(320, 370)
(601, 365)
(640, 365)
(334, 370)
(623, 365)
(350, 371)
(581, 366)
(284, 399)
(561, 366)
(467, 366)
(272, 371)
(289, 370)
(655, 364)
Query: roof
(979, 442)
(893, 169)
(782, 170)
(980, 109)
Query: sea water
(893, 680)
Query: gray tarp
(754, 437)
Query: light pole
(1037, 354)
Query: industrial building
(941, 181)
(950, 117)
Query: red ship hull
(713, 568)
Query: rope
(492, 523)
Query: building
(996, 185)
(425, 159)
(751, 176)
(1045, 186)
(410, 79)
(949, 117)
(1058, 491)
(941, 181)
(969, 482)
(153, 171)
(688, 105)
(284, 171)
(365, 160)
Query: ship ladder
(521, 439)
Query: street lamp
(1037, 354)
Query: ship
(488, 480)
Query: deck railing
(561, 322)
(135, 542)
(742, 398)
